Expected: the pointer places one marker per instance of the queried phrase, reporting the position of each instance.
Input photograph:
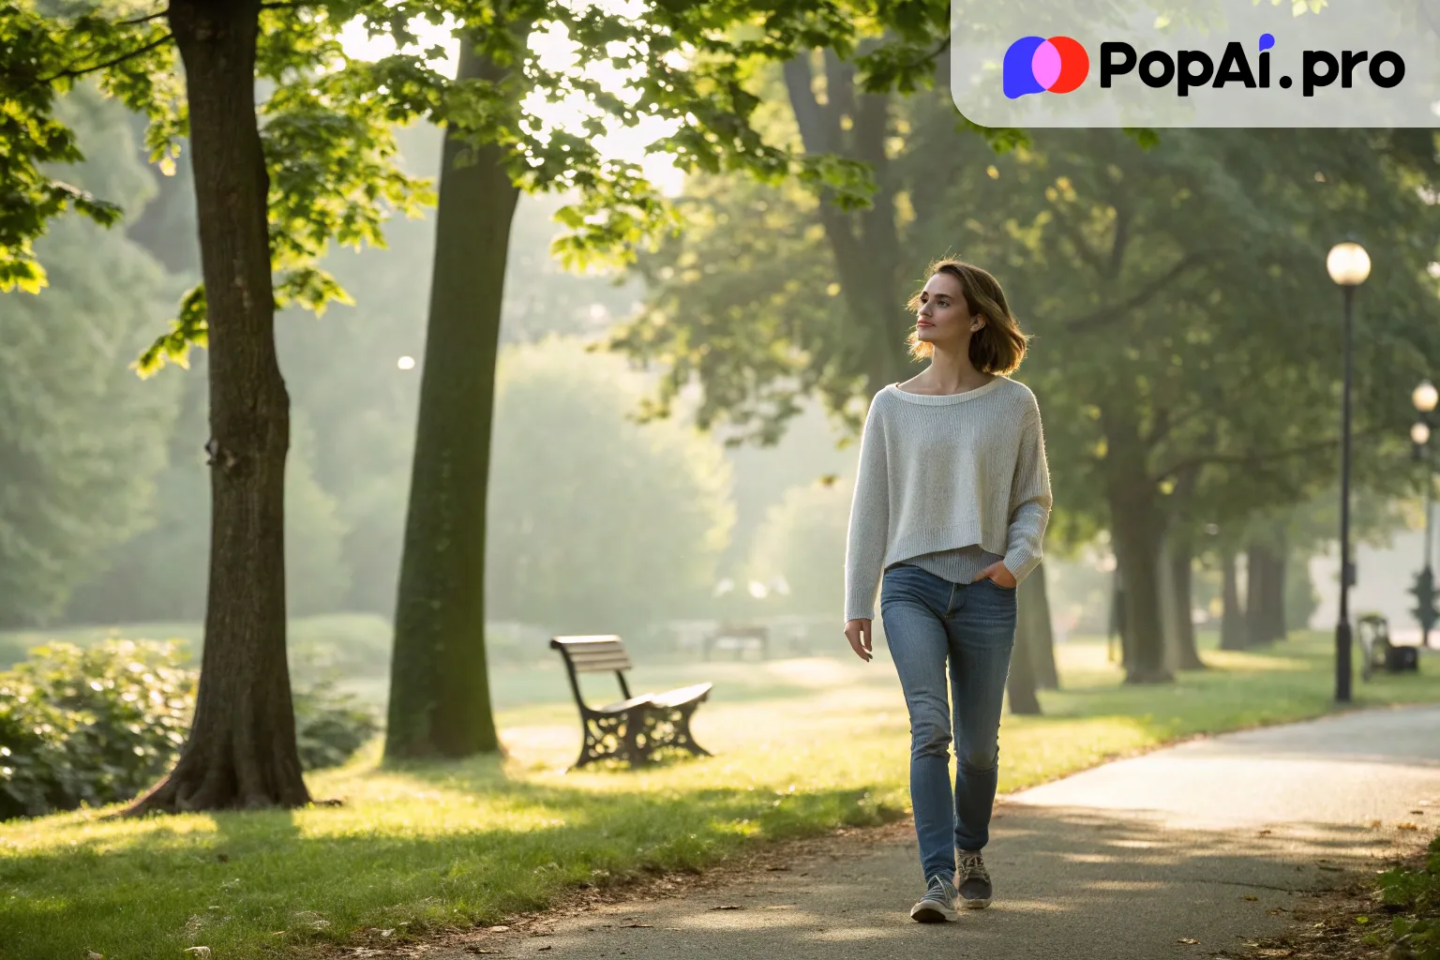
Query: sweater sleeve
(869, 521)
(1030, 501)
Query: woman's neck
(951, 371)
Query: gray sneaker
(938, 904)
(973, 880)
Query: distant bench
(634, 728)
(738, 637)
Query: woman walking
(951, 503)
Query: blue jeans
(927, 621)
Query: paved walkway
(1180, 853)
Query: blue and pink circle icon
(1040, 65)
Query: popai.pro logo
(1040, 65)
(1060, 65)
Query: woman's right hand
(858, 633)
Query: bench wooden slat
(623, 705)
(593, 654)
(682, 695)
(596, 662)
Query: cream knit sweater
(941, 473)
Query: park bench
(634, 728)
(738, 637)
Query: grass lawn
(802, 745)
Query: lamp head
(1348, 264)
(1425, 397)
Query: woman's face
(944, 318)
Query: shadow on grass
(457, 844)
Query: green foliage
(98, 725)
(802, 540)
(1178, 283)
(1414, 894)
(330, 725)
(89, 726)
(80, 439)
(596, 524)
(493, 826)
(160, 573)
(317, 577)
(328, 121)
(43, 61)
(1301, 597)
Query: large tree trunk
(1275, 599)
(1118, 628)
(1256, 570)
(1136, 531)
(439, 688)
(1265, 594)
(241, 751)
(1020, 685)
(1232, 618)
(866, 243)
(1137, 550)
(1036, 630)
(1179, 555)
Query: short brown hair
(999, 346)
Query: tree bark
(1137, 551)
(1039, 633)
(439, 686)
(1182, 561)
(1275, 599)
(864, 243)
(1232, 618)
(1136, 530)
(241, 752)
(1020, 685)
(1265, 594)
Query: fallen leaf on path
(499, 929)
(1418, 813)
(547, 948)
(779, 869)
(637, 926)
(471, 948)
(1407, 826)
(1250, 896)
(728, 906)
(1190, 940)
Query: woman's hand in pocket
(858, 633)
(998, 573)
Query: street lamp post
(1348, 265)
(1425, 399)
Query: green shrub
(1414, 895)
(99, 725)
(330, 726)
(89, 726)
